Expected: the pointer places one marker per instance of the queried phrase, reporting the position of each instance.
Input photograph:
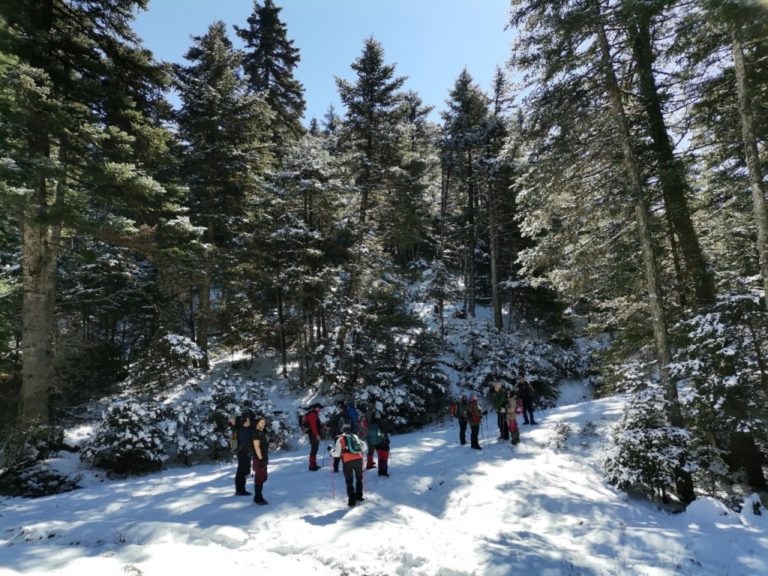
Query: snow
(540, 508)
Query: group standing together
(361, 434)
(358, 436)
(506, 403)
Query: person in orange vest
(350, 449)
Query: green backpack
(353, 446)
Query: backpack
(233, 422)
(454, 409)
(304, 424)
(352, 445)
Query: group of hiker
(359, 434)
(507, 403)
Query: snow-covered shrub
(724, 368)
(561, 434)
(646, 453)
(23, 467)
(130, 438)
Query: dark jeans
(501, 420)
(528, 412)
(353, 471)
(314, 444)
(462, 431)
(474, 430)
(243, 469)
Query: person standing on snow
(244, 439)
(350, 449)
(514, 406)
(475, 416)
(462, 412)
(499, 403)
(525, 393)
(335, 424)
(260, 459)
(313, 425)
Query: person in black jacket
(260, 458)
(244, 448)
(525, 393)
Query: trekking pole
(333, 483)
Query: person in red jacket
(475, 416)
(312, 423)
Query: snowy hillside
(539, 508)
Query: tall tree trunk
(493, 234)
(472, 239)
(751, 153)
(204, 308)
(643, 224)
(39, 258)
(446, 179)
(671, 170)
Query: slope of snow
(539, 508)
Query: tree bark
(493, 233)
(472, 239)
(642, 217)
(671, 172)
(751, 153)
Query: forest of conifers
(623, 177)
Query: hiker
(382, 446)
(474, 416)
(499, 403)
(312, 426)
(335, 424)
(372, 437)
(514, 405)
(460, 410)
(244, 436)
(525, 393)
(260, 459)
(351, 417)
(350, 449)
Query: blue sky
(430, 41)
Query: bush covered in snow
(140, 434)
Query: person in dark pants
(312, 421)
(260, 459)
(244, 447)
(335, 425)
(475, 416)
(350, 449)
(462, 411)
(499, 403)
(525, 393)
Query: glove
(330, 447)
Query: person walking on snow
(312, 422)
(475, 416)
(260, 459)
(244, 437)
(335, 424)
(499, 403)
(372, 436)
(350, 449)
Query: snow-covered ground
(541, 508)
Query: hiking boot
(261, 502)
(242, 493)
(351, 502)
(369, 466)
(383, 473)
(314, 468)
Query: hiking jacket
(462, 410)
(499, 399)
(340, 448)
(263, 439)
(313, 421)
(475, 414)
(244, 439)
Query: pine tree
(225, 131)
(269, 61)
(83, 133)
